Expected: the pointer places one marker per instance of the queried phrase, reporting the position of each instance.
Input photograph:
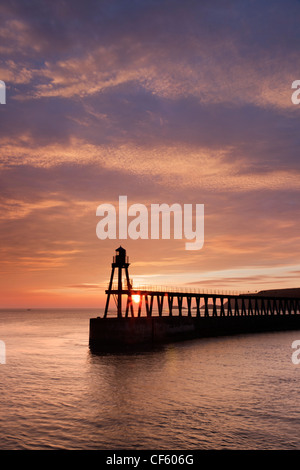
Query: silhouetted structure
(213, 304)
(120, 262)
(211, 314)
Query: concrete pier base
(116, 333)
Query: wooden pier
(163, 315)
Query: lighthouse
(120, 262)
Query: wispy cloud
(169, 101)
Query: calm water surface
(238, 392)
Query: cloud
(172, 166)
(168, 101)
(86, 286)
(225, 54)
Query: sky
(164, 101)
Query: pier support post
(189, 301)
(222, 307)
(198, 305)
(179, 299)
(149, 307)
(160, 301)
(206, 306)
(170, 303)
(214, 306)
(229, 309)
(109, 291)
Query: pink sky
(165, 102)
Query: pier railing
(174, 289)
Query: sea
(235, 393)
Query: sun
(136, 298)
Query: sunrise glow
(136, 298)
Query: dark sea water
(238, 392)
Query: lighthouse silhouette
(120, 262)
